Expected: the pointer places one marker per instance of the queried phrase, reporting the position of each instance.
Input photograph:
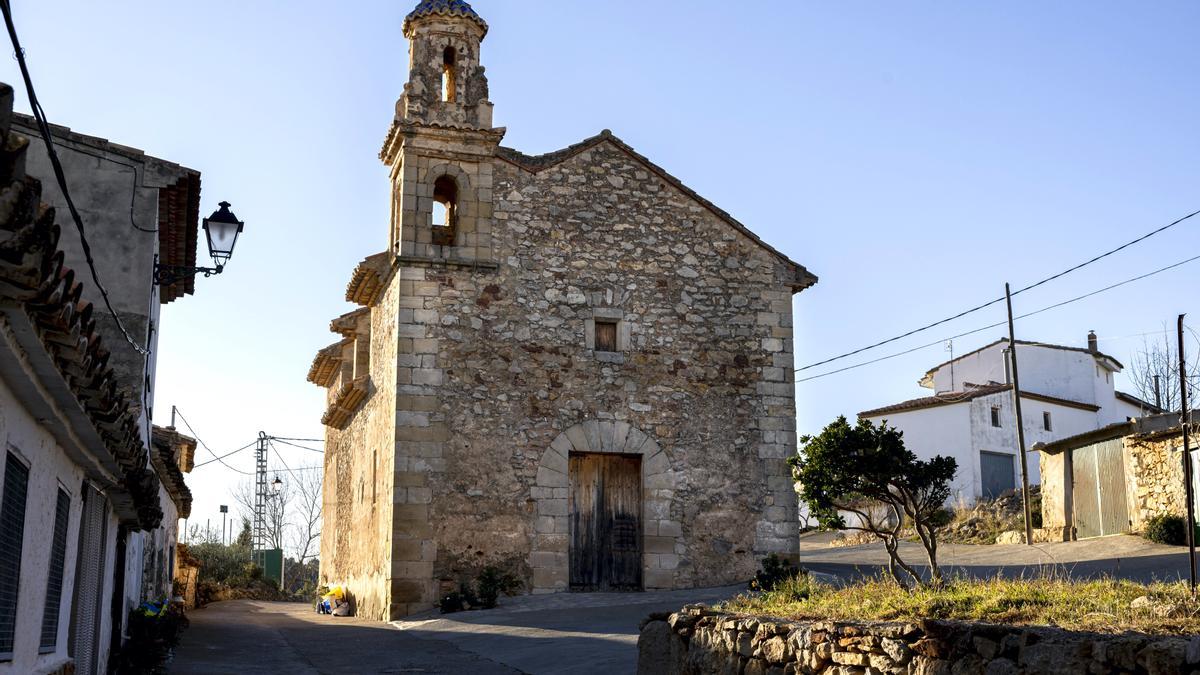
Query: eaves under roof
(801, 277)
(1146, 428)
(956, 397)
(178, 198)
(1027, 343)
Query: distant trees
(1157, 363)
(866, 471)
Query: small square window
(606, 336)
(995, 416)
(1046, 422)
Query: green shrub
(1169, 529)
(491, 583)
(775, 570)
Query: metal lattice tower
(259, 532)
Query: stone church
(569, 366)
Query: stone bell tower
(441, 142)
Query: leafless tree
(306, 532)
(277, 506)
(1154, 370)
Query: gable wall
(494, 364)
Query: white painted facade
(50, 467)
(1074, 387)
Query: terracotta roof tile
(366, 283)
(951, 398)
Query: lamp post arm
(165, 275)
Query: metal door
(996, 473)
(89, 583)
(605, 506)
(1100, 506)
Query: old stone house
(1113, 479)
(567, 366)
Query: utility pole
(259, 533)
(1187, 462)
(1157, 394)
(1016, 394)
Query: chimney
(1093, 347)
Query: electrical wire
(234, 452)
(1001, 323)
(205, 445)
(1001, 298)
(302, 440)
(39, 116)
(294, 445)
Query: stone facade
(1157, 488)
(485, 373)
(698, 640)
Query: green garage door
(996, 473)
(1098, 490)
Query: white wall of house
(49, 469)
(941, 430)
(964, 430)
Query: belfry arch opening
(449, 75)
(445, 210)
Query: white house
(970, 416)
(88, 506)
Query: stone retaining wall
(698, 640)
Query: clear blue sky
(913, 155)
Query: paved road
(578, 633)
(1123, 556)
(249, 637)
(565, 633)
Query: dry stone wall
(698, 640)
(1156, 485)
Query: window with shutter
(12, 533)
(606, 336)
(58, 558)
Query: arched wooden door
(605, 507)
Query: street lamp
(276, 485)
(221, 229)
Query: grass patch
(1105, 605)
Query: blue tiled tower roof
(444, 8)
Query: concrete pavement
(562, 633)
(249, 637)
(578, 633)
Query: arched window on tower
(449, 79)
(445, 207)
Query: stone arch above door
(661, 536)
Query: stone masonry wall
(1155, 472)
(494, 364)
(697, 640)
(356, 532)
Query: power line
(294, 445)
(39, 116)
(1002, 323)
(216, 459)
(309, 440)
(1000, 299)
(201, 440)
